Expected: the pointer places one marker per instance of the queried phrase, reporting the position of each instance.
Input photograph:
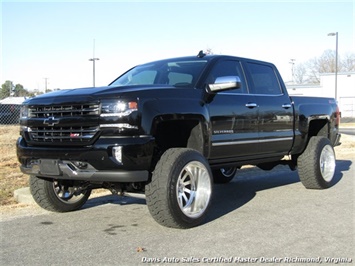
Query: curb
(23, 195)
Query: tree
(9, 89)
(299, 73)
(209, 51)
(6, 89)
(348, 63)
(19, 91)
(310, 71)
(323, 64)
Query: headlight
(118, 108)
(24, 111)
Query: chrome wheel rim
(68, 194)
(193, 189)
(228, 172)
(327, 163)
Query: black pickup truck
(169, 129)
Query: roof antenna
(201, 54)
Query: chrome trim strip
(249, 141)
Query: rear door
(233, 115)
(275, 117)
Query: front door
(233, 114)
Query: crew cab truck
(169, 129)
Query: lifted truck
(168, 129)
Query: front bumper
(94, 163)
(68, 171)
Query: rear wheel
(316, 165)
(58, 195)
(224, 175)
(180, 191)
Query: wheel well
(179, 134)
(318, 128)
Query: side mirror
(224, 83)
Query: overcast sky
(54, 39)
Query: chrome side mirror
(224, 83)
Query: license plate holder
(49, 167)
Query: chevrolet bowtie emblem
(51, 121)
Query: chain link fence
(9, 114)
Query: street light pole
(93, 69)
(292, 69)
(45, 84)
(336, 62)
(93, 59)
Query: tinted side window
(263, 79)
(228, 68)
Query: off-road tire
(44, 193)
(316, 165)
(180, 191)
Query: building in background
(10, 110)
(326, 88)
(13, 100)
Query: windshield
(179, 73)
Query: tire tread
(308, 164)
(43, 194)
(157, 191)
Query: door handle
(251, 105)
(286, 105)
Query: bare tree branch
(309, 72)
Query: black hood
(90, 94)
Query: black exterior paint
(237, 127)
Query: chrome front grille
(66, 124)
(63, 135)
(64, 110)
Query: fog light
(81, 165)
(117, 154)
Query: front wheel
(181, 188)
(316, 165)
(58, 195)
